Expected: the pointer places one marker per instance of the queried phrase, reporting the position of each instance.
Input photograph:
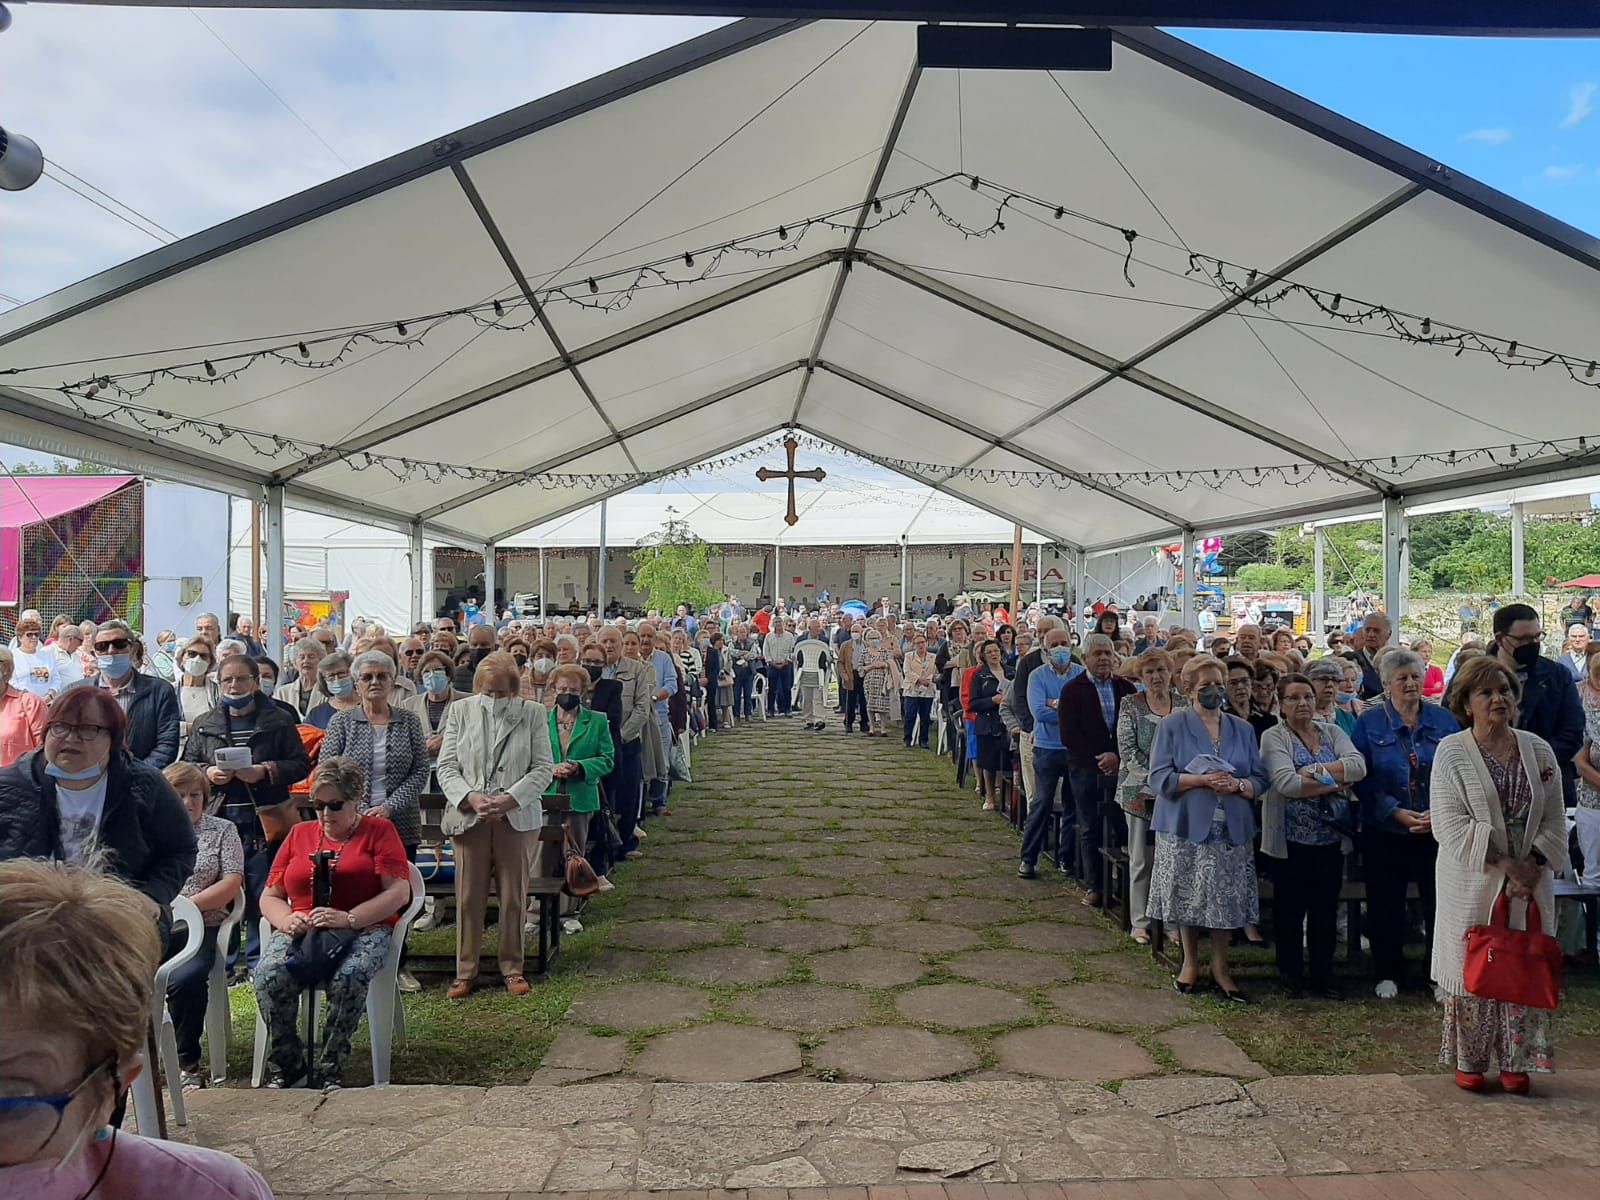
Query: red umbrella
(1582, 581)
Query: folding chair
(758, 691)
(219, 1015)
(146, 1104)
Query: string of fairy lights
(109, 395)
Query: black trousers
(1391, 861)
(623, 791)
(1305, 909)
(855, 703)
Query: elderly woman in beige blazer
(1499, 819)
(494, 764)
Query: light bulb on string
(211, 369)
(305, 351)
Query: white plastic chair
(386, 1016)
(758, 692)
(219, 1015)
(166, 1038)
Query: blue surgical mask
(1211, 696)
(1061, 656)
(238, 702)
(82, 776)
(339, 687)
(114, 666)
(268, 686)
(437, 682)
(1345, 697)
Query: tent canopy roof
(901, 337)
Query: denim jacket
(1387, 745)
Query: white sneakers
(1387, 989)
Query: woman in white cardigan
(1499, 820)
(494, 764)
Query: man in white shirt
(811, 664)
(68, 643)
(778, 649)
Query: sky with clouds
(192, 117)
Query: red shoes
(1471, 1081)
(1514, 1082)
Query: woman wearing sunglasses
(77, 1007)
(371, 883)
(81, 797)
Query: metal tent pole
(274, 613)
(1319, 585)
(1394, 536)
(542, 582)
(419, 570)
(600, 575)
(1519, 557)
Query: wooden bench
(544, 892)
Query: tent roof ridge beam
(620, 340)
(981, 505)
(990, 311)
(885, 156)
(1356, 138)
(608, 493)
(956, 423)
(621, 435)
(503, 248)
(1267, 279)
(397, 169)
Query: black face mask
(522, 659)
(595, 671)
(567, 701)
(479, 653)
(1526, 656)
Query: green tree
(1262, 577)
(672, 567)
(62, 466)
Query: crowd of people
(1215, 761)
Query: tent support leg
(274, 613)
(1394, 538)
(419, 571)
(489, 564)
(1319, 586)
(1519, 557)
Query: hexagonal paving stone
(796, 849)
(886, 1053)
(925, 937)
(611, 964)
(842, 866)
(807, 1007)
(718, 1054)
(796, 935)
(674, 886)
(745, 868)
(937, 866)
(962, 1006)
(858, 910)
(1138, 971)
(1056, 935)
(665, 934)
(1060, 1052)
(728, 964)
(639, 1005)
(796, 887)
(902, 887)
(744, 837)
(1014, 967)
(1119, 1004)
(965, 911)
(868, 967)
(736, 910)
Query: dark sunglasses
(118, 644)
(329, 805)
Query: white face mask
(195, 666)
(544, 665)
(501, 706)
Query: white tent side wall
(185, 535)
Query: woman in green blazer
(580, 740)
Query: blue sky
(150, 105)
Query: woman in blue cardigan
(1204, 875)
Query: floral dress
(1588, 795)
(1476, 1030)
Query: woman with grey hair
(566, 648)
(389, 744)
(1327, 681)
(335, 678)
(1398, 735)
(305, 692)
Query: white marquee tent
(899, 337)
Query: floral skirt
(1211, 885)
(1478, 1032)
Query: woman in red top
(371, 883)
(1433, 677)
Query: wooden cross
(791, 475)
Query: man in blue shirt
(1050, 766)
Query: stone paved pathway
(831, 907)
(1290, 1133)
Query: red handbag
(1514, 966)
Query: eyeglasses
(384, 678)
(28, 1123)
(329, 805)
(117, 644)
(84, 733)
(412, 653)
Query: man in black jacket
(1087, 711)
(1549, 706)
(154, 717)
(278, 759)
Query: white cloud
(1580, 103)
(1560, 174)
(1491, 137)
(147, 105)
